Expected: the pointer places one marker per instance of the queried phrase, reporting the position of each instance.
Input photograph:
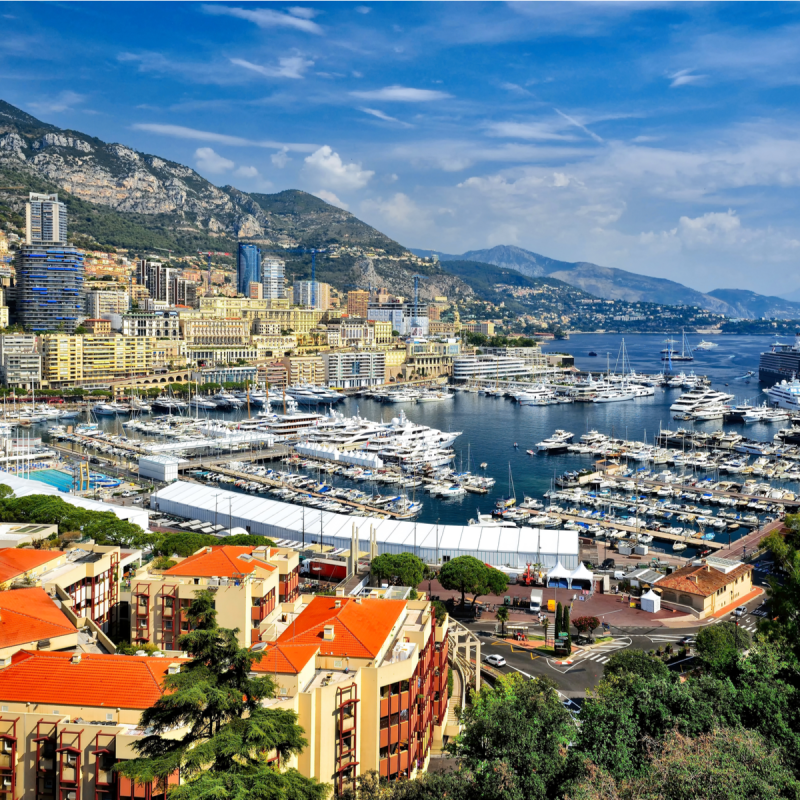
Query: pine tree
(558, 628)
(228, 733)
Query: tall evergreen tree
(228, 735)
(558, 627)
(565, 626)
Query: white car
(740, 611)
(495, 661)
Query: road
(576, 678)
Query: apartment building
(367, 678)
(276, 346)
(532, 356)
(349, 369)
(304, 370)
(482, 367)
(71, 360)
(68, 717)
(275, 375)
(215, 332)
(249, 585)
(99, 327)
(31, 620)
(20, 361)
(312, 294)
(352, 332)
(102, 301)
(357, 303)
(486, 327)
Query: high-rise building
(103, 301)
(50, 274)
(256, 291)
(45, 220)
(312, 294)
(248, 267)
(184, 293)
(157, 279)
(357, 303)
(273, 278)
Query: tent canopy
(581, 573)
(558, 571)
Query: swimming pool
(53, 477)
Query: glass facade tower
(248, 268)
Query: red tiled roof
(222, 561)
(99, 680)
(360, 629)
(28, 615)
(701, 580)
(15, 561)
(286, 659)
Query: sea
(498, 431)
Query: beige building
(357, 303)
(68, 360)
(479, 326)
(215, 332)
(249, 584)
(102, 301)
(708, 587)
(304, 370)
(430, 359)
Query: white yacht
(785, 394)
(614, 395)
(693, 399)
(704, 413)
(557, 441)
(704, 345)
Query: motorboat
(558, 441)
(704, 345)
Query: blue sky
(659, 138)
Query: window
(109, 717)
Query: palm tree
(502, 616)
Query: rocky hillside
(119, 197)
(751, 305)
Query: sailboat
(686, 353)
(615, 395)
(511, 499)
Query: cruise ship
(694, 399)
(780, 363)
(785, 394)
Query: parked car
(609, 563)
(495, 661)
(740, 611)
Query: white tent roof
(559, 571)
(651, 595)
(581, 574)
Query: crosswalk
(601, 653)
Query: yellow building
(69, 360)
(357, 303)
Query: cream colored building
(215, 332)
(304, 370)
(68, 360)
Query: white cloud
(330, 197)
(326, 167)
(182, 132)
(265, 18)
(402, 94)
(290, 67)
(385, 117)
(529, 130)
(247, 172)
(398, 211)
(63, 101)
(573, 121)
(280, 159)
(683, 78)
(363, 9)
(209, 161)
(303, 13)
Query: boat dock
(695, 540)
(750, 498)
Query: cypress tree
(565, 623)
(558, 622)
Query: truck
(536, 601)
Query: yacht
(169, 404)
(785, 394)
(224, 399)
(704, 413)
(110, 409)
(642, 390)
(434, 397)
(693, 399)
(202, 404)
(704, 345)
(613, 395)
(558, 441)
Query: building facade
(304, 370)
(488, 368)
(20, 361)
(357, 303)
(430, 359)
(100, 302)
(312, 294)
(273, 278)
(248, 267)
(155, 324)
(45, 220)
(349, 369)
(216, 332)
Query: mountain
(119, 197)
(751, 305)
(606, 282)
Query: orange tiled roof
(223, 561)
(98, 681)
(286, 659)
(15, 561)
(360, 629)
(29, 615)
(701, 580)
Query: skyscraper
(49, 273)
(312, 294)
(248, 267)
(45, 220)
(273, 278)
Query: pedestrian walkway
(600, 653)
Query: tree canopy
(401, 569)
(469, 575)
